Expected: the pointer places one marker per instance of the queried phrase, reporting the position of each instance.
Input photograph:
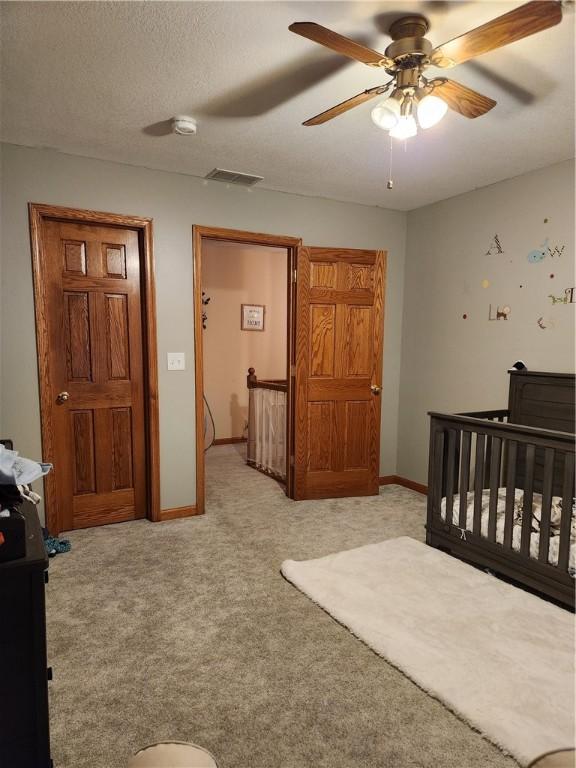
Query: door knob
(375, 389)
(62, 397)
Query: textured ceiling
(100, 79)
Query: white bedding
(555, 515)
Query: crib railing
(266, 447)
(481, 453)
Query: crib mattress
(553, 549)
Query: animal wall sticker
(568, 298)
(544, 323)
(538, 253)
(502, 313)
(495, 246)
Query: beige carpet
(186, 630)
(501, 658)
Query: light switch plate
(176, 361)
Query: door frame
(38, 213)
(200, 233)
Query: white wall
(454, 364)
(234, 274)
(175, 202)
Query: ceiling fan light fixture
(431, 109)
(386, 114)
(405, 128)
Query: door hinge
(292, 370)
(294, 275)
(292, 462)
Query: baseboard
(397, 480)
(177, 512)
(228, 440)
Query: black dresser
(24, 731)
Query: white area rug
(497, 656)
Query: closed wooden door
(91, 283)
(339, 333)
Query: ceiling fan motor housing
(410, 48)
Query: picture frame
(252, 317)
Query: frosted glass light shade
(385, 115)
(431, 110)
(404, 128)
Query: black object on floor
(24, 730)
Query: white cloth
(267, 431)
(17, 470)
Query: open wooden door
(338, 376)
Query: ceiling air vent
(233, 177)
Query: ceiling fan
(409, 56)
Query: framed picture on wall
(252, 317)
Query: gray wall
(450, 363)
(175, 202)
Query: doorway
(334, 365)
(232, 414)
(96, 340)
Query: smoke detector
(184, 125)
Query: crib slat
(528, 496)
(494, 486)
(478, 483)
(464, 477)
(546, 505)
(512, 450)
(450, 476)
(566, 521)
(438, 459)
(488, 461)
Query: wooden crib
(501, 484)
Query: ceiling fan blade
(338, 43)
(462, 99)
(515, 25)
(344, 106)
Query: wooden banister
(280, 385)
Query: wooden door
(339, 332)
(93, 317)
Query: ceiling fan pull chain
(390, 183)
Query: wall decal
(495, 246)
(205, 302)
(544, 323)
(485, 283)
(502, 313)
(556, 251)
(568, 298)
(538, 253)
